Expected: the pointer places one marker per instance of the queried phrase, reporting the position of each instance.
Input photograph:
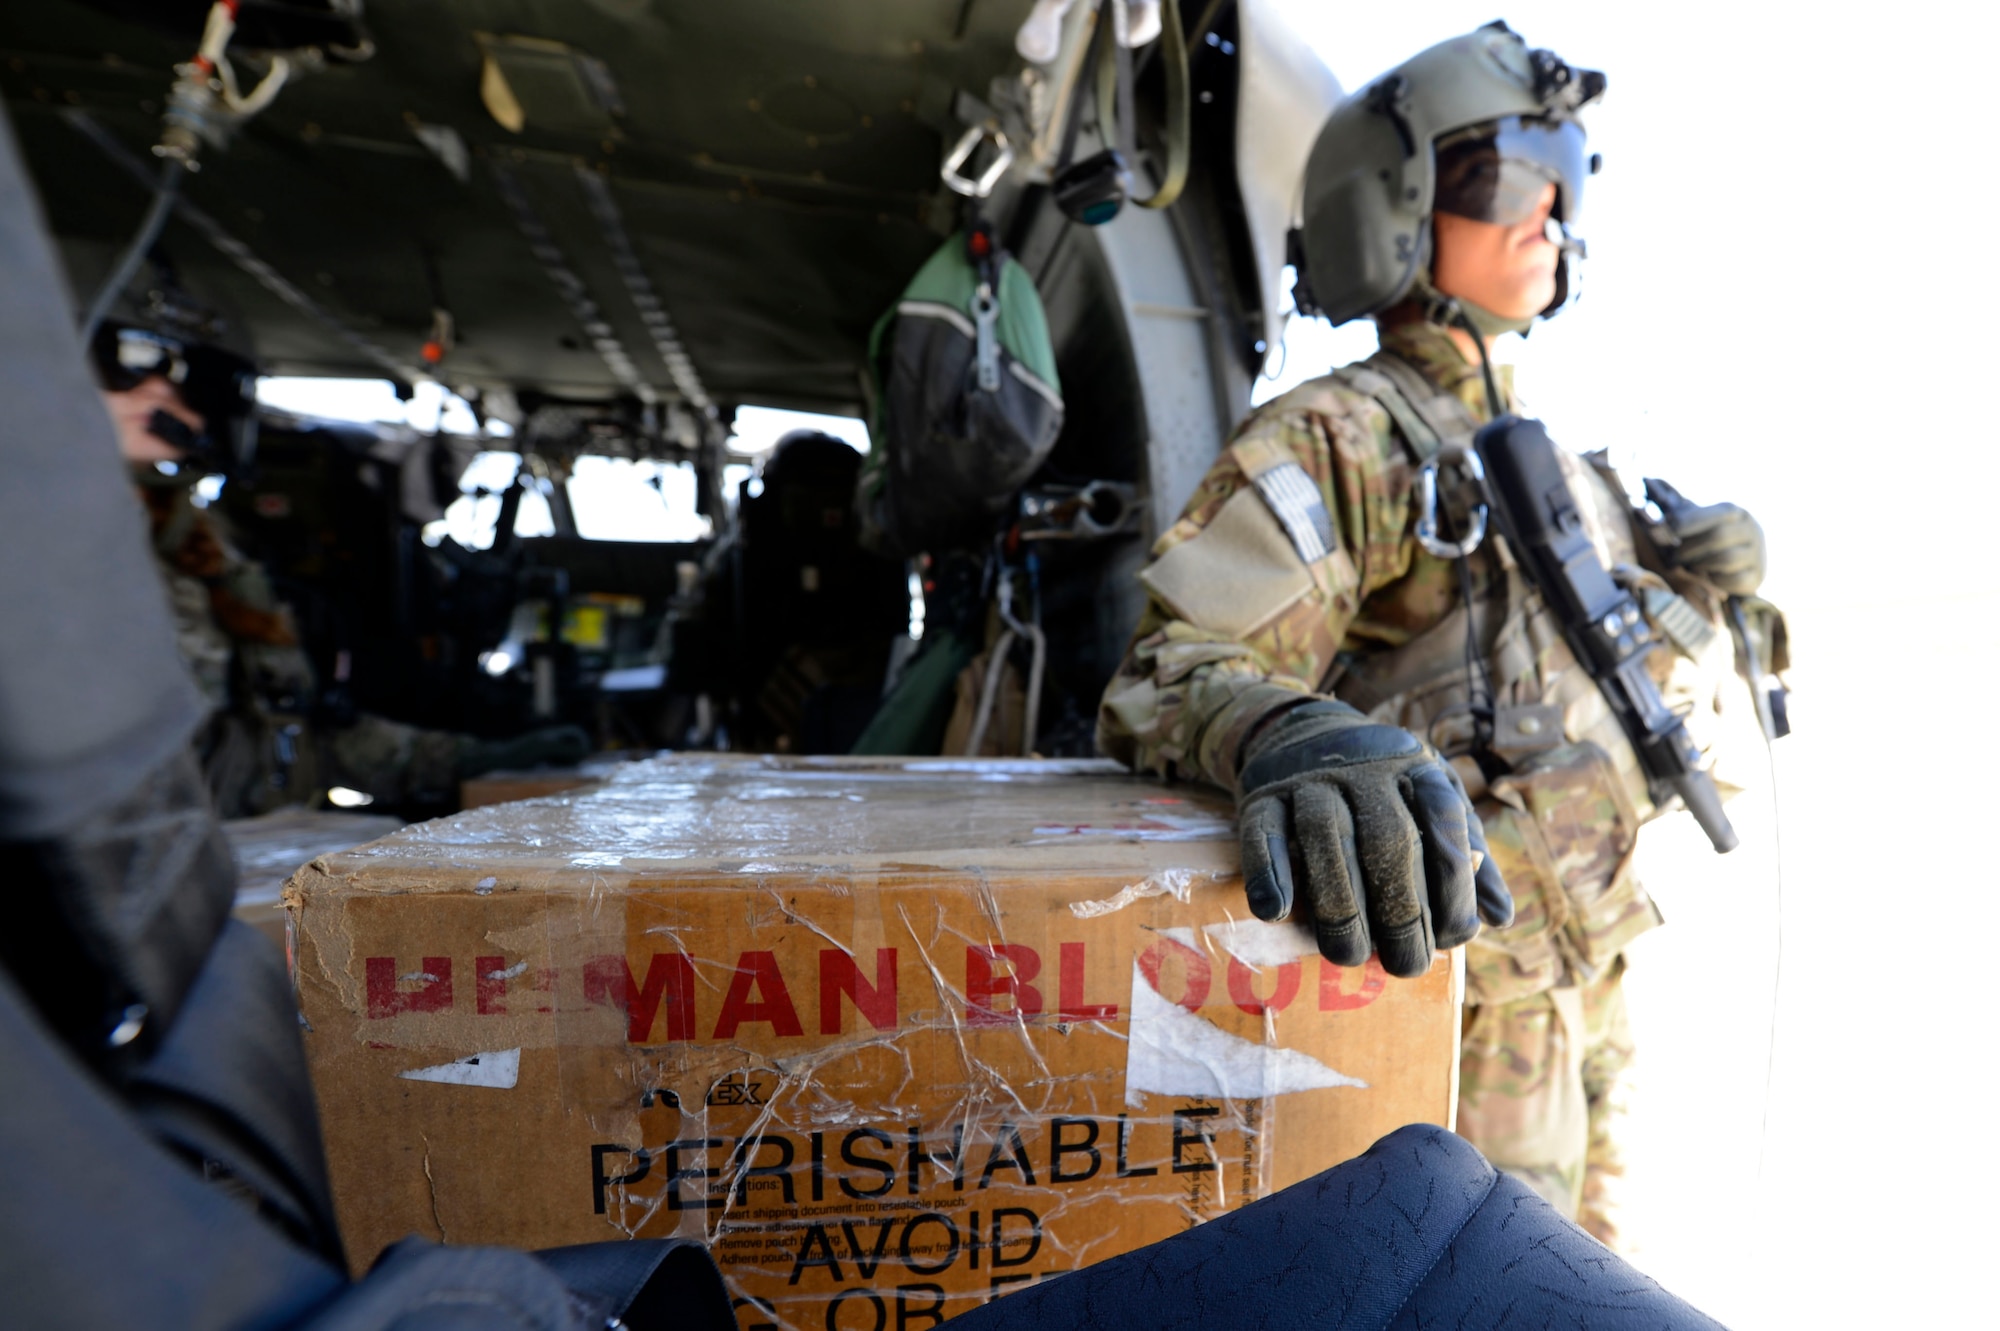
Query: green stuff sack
(967, 403)
(915, 714)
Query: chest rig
(1495, 685)
(1542, 697)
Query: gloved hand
(562, 746)
(1719, 543)
(1380, 827)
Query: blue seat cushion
(1420, 1232)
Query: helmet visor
(126, 356)
(217, 384)
(1497, 172)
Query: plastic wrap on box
(894, 1036)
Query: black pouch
(967, 404)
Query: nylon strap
(1417, 433)
(1116, 80)
(1681, 622)
(1175, 132)
(1426, 418)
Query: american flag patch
(1296, 501)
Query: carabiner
(968, 143)
(1427, 503)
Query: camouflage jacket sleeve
(1237, 623)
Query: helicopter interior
(608, 226)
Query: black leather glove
(564, 746)
(1718, 543)
(1380, 827)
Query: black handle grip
(1538, 512)
(1697, 790)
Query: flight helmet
(1474, 126)
(168, 333)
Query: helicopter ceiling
(606, 198)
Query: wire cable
(164, 196)
(1464, 320)
(1753, 675)
(1038, 660)
(188, 122)
(988, 693)
(1778, 962)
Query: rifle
(1536, 511)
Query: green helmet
(1501, 117)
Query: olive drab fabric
(1239, 625)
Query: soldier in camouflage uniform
(263, 748)
(1298, 573)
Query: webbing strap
(1426, 418)
(1416, 432)
(1681, 622)
(1176, 136)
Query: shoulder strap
(1426, 418)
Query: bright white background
(1789, 304)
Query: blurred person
(1329, 637)
(159, 1136)
(178, 406)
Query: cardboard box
(532, 783)
(893, 1036)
